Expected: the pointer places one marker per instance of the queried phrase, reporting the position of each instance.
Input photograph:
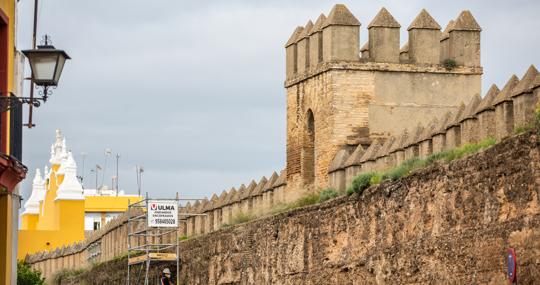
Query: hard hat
(166, 271)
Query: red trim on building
(12, 171)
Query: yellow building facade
(12, 171)
(59, 211)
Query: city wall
(445, 224)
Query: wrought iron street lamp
(46, 64)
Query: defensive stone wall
(444, 224)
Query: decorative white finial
(57, 149)
(71, 188)
(64, 149)
(38, 194)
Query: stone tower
(336, 99)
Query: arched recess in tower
(308, 155)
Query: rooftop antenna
(108, 153)
(96, 172)
(117, 187)
(139, 169)
(82, 174)
(113, 182)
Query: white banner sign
(162, 213)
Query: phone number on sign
(165, 221)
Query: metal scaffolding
(147, 244)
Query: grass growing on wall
(364, 180)
(306, 200)
(530, 126)
(327, 194)
(66, 274)
(184, 237)
(242, 217)
(522, 129)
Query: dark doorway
(308, 151)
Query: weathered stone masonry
(497, 115)
(351, 100)
(446, 224)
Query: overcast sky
(193, 90)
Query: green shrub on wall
(449, 64)
(361, 183)
(327, 194)
(28, 276)
(306, 200)
(364, 180)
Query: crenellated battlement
(336, 38)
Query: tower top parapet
(335, 39)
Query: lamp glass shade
(47, 64)
(59, 67)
